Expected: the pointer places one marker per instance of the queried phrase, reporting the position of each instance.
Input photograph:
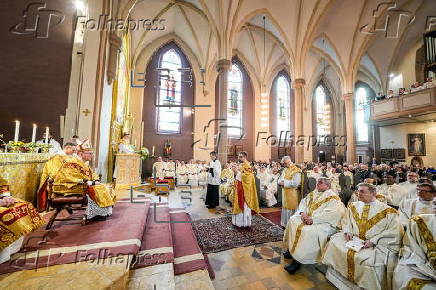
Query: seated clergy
(410, 185)
(364, 252)
(420, 205)
(73, 176)
(181, 173)
(158, 169)
(228, 180)
(393, 192)
(17, 218)
(317, 218)
(416, 268)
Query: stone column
(349, 122)
(222, 67)
(298, 119)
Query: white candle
(17, 131)
(47, 132)
(34, 133)
(62, 127)
(141, 135)
(152, 151)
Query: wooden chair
(60, 202)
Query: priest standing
(245, 197)
(213, 182)
(290, 180)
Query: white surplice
(410, 189)
(394, 193)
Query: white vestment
(288, 183)
(56, 147)
(369, 268)
(306, 242)
(411, 207)
(158, 169)
(394, 193)
(271, 190)
(414, 267)
(242, 219)
(216, 178)
(410, 189)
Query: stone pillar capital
(223, 65)
(299, 83)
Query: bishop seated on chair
(71, 176)
(364, 253)
(307, 232)
(17, 218)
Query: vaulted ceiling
(303, 36)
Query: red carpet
(70, 242)
(274, 216)
(156, 245)
(187, 254)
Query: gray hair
(326, 180)
(284, 158)
(370, 187)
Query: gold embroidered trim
(416, 284)
(315, 205)
(363, 223)
(350, 265)
(297, 237)
(428, 239)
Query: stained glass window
(283, 118)
(322, 111)
(234, 102)
(361, 108)
(169, 94)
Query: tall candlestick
(47, 133)
(62, 127)
(17, 131)
(34, 133)
(141, 138)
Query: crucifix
(86, 112)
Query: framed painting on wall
(416, 144)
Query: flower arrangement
(32, 147)
(16, 146)
(145, 154)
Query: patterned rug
(218, 234)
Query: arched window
(322, 112)
(234, 102)
(283, 118)
(361, 108)
(168, 117)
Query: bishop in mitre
(416, 268)
(73, 176)
(290, 180)
(317, 218)
(245, 197)
(17, 219)
(420, 205)
(365, 252)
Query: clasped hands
(366, 243)
(307, 219)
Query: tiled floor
(253, 267)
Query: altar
(22, 171)
(127, 170)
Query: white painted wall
(398, 135)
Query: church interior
(218, 144)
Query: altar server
(213, 181)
